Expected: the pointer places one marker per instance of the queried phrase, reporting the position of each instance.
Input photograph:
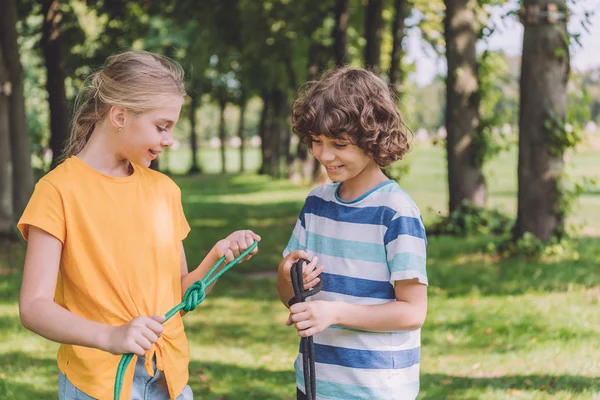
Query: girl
(105, 258)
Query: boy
(368, 234)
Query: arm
(231, 248)
(405, 314)
(284, 280)
(40, 314)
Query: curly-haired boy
(367, 234)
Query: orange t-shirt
(121, 259)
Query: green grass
(496, 329)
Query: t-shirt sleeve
(298, 239)
(45, 211)
(405, 243)
(184, 226)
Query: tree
(340, 33)
(242, 102)
(373, 33)
(6, 210)
(55, 81)
(396, 76)
(466, 181)
(20, 147)
(543, 94)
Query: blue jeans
(144, 386)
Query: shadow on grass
(239, 383)
(458, 266)
(440, 386)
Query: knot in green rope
(194, 296)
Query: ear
(117, 117)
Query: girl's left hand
(236, 243)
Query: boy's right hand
(136, 336)
(310, 271)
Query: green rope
(193, 296)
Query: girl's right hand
(136, 336)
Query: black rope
(306, 343)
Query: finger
(154, 325)
(253, 235)
(222, 247)
(312, 283)
(229, 255)
(289, 320)
(313, 274)
(249, 240)
(143, 342)
(298, 308)
(307, 332)
(242, 244)
(297, 254)
(303, 325)
(299, 317)
(136, 349)
(151, 336)
(159, 318)
(308, 268)
(235, 248)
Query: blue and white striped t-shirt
(365, 245)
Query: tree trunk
(274, 127)
(543, 97)
(20, 145)
(195, 168)
(340, 33)
(222, 138)
(55, 84)
(396, 75)
(6, 206)
(465, 178)
(263, 132)
(241, 133)
(373, 33)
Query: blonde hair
(138, 81)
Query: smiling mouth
(333, 168)
(154, 153)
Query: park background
(510, 200)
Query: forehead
(169, 111)
(340, 136)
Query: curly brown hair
(357, 102)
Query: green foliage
(531, 248)
(497, 109)
(562, 134)
(469, 219)
(397, 170)
(571, 191)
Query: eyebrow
(168, 121)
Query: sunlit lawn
(495, 329)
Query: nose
(167, 140)
(325, 153)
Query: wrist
(339, 312)
(101, 337)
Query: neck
(367, 179)
(100, 153)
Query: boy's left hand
(235, 244)
(312, 317)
